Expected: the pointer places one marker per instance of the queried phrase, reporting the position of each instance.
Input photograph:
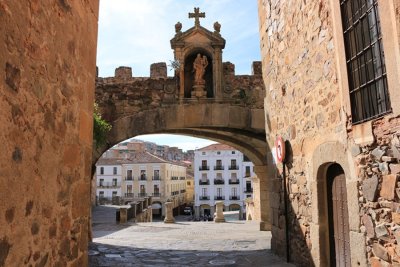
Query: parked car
(187, 211)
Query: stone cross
(196, 15)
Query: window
(114, 193)
(129, 175)
(114, 182)
(204, 192)
(129, 188)
(156, 175)
(203, 177)
(142, 174)
(233, 175)
(369, 96)
(101, 193)
(233, 162)
(115, 170)
(218, 152)
(204, 163)
(233, 152)
(101, 182)
(142, 188)
(156, 189)
(203, 153)
(219, 192)
(188, 183)
(247, 171)
(234, 191)
(101, 170)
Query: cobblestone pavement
(184, 243)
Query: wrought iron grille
(369, 96)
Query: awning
(156, 206)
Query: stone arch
(234, 207)
(326, 155)
(190, 56)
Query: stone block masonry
(47, 66)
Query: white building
(108, 180)
(220, 175)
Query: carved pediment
(198, 34)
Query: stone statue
(178, 27)
(217, 27)
(199, 68)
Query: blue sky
(137, 33)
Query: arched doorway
(156, 209)
(338, 216)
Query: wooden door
(339, 236)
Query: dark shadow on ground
(109, 255)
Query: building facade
(219, 175)
(141, 175)
(331, 70)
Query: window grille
(369, 96)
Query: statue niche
(198, 76)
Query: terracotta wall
(47, 63)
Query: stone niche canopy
(199, 54)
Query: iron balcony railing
(249, 190)
(204, 182)
(142, 194)
(234, 181)
(204, 168)
(233, 167)
(156, 194)
(156, 178)
(109, 185)
(204, 197)
(174, 178)
(182, 178)
(142, 177)
(219, 181)
(234, 197)
(129, 178)
(129, 195)
(174, 193)
(218, 168)
(219, 198)
(183, 191)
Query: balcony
(248, 190)
(156, 194)
(174, 178)
(234, 197)
(204, 182)
(130, 195)
(142, 194)
(234, 181)
(247, 174)
(142, 177)
(218, 168)
(174, 193)
(183, 191)
(109, 185)
(204, 168)
(129, 178)
(182, 178)
(219, 181)
(156, 178)
(204, 197)
(234, 167)
(219, 198)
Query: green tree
(100, 128)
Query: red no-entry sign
(280, 149)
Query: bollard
(169, 217)
(220, 212)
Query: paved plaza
(185, 243)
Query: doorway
(338, 217)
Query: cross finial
(196, 15)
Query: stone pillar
(264, 196)
(169, 217)
(123, 215)
(197, 212)
(134, 209)
(220, 212)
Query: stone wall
(301, 104)
(378, 171)
(47, 61)
(307, 104)
(144, 93)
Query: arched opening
(156, 210)
(234, 207)
(189, 73)
(333, 216)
